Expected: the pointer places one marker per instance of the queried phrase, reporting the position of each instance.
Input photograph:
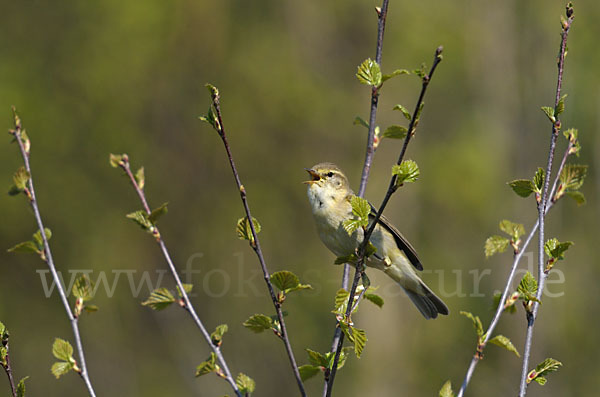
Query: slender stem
(370, 151)
(124, 164)
(542, 203)
(30, 192)
(8, 370)
(255, 244)
(391, 190)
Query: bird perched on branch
(330, 197)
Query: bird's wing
(402, 242)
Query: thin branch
(255, 243)
(543, 202)
(30, 193)
(124, 164)
(8, 370)
(391, 190)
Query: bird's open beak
(314, 175)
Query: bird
(329, 195)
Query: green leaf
(62, 350)
(538, 180)
(245, 383)
(308, 371)
(20, 178)
(404, 111)
(577, 196)
(446, 390)
(366, 282)
(317, 358)
(361, 209)
(528, 287)
(211, 118)
(422, 72)
(556, 249)
(359, 338)
(341, 298)
(503, 341)
(374, 298)
(350, 225)
(83, 288)
(514, 230)
(3, 354)
(208, 366)
(60, 368)
(140, 178)
(213, 91)
(24, 247)
(573, 176)
(159, 299)
(258, 323)
(395, 132)
(560, 107)
(217, 335)
(523, 187)
(187, 288)
(476, 322)
(284, 280)
(90, 308)
(369, 73)
(510, 308)
(21, 387)
(37, 237)
(141, 218)
(495, 244)
(359, 121)
(549, 111)
(395, 73)
(244, 231)
(340, 260)
(157, 213)
(542, 370)
(407, 171)
(115, 159)
(3, 333)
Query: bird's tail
(420, 294)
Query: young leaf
(509, 305)
(25, 247)
(407, 171)
(538, 180)
(308, 371)
(159, 299)
(216, 336)
(359, 121)
(21, 387)
(560, 107)
(350, 225)
(90, 308)
(62, 350)
(361, 209)
(359, 338)
(528, 287)
(187, 288)
(340, 260)
(404, 111)
(422, 72)
(317, 358)
(503, 341)
(83, 288)
(514, 230)
(446, 390)
(258, 323)
(341, 298)
(395, 132)
(284, 280)
(572, 176)
(208, 366)
(211, 118)
(37, 237)
(395, 73)
(245, 384)
(495, 244)
(523, 187)
(141, 218)
(369, 73)
(20, 178)
(60, 368)
(244, 231)
(556, 249)
(577, 196)
(140, 178)
(157, 213)
(542, 370)
(374, 298)
(549, 111)
(3, 333)
(476, 322)
(115, 160)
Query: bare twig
(391, 190)
(255, 243)
(543, 202)
(124, 164)
(30, 193)
(8, 370)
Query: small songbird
(329, 195)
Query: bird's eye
(329, 174)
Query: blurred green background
(90, 78)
